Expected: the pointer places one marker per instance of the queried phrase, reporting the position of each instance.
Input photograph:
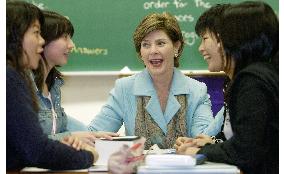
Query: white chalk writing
(182, 10)
(184, 18)
(156, 5)
(179, 3)
(90, 51)
(39, 5)
(201, 3)
(189, 37)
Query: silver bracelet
(215, 140)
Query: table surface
(51, 172)
(100, 169)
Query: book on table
(181, 165)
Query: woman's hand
(78, 144)
(201, 140)
(90, 137)
(198, 141)
(126, 160)
(72, 141)
(181, 140)
(107, 135)
(87, 137)
(187, 149)
(117, 161)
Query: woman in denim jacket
(57, 33)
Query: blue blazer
(121, 105)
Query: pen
(134, 158)
(135, 146)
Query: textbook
(107, 147)
(174, 160)
(206, 168)
(168, 160)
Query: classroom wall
(83, 96)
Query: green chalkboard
(104, 28)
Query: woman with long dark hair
(26, 144)
(248, 36)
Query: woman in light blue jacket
(160, 103)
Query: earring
(176, 54)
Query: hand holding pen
(127, 158)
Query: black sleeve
(249, 116)
(25, 138)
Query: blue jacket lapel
(143, 86)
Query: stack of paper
(170, 160)
(207, 168)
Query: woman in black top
(248, 37)
(26, 143)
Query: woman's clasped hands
(190, 146)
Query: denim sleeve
(59, 136)
(72, 125)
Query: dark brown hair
(20, 16)
(208, 22)
(249, 32)
(55, 26)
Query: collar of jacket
(143, 85)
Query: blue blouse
(121, 105)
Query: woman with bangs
(58, 32)
(247, 36)
(160, 103)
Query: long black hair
(55, 26)
(249, 32)
(20, 16)
(209, 19)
